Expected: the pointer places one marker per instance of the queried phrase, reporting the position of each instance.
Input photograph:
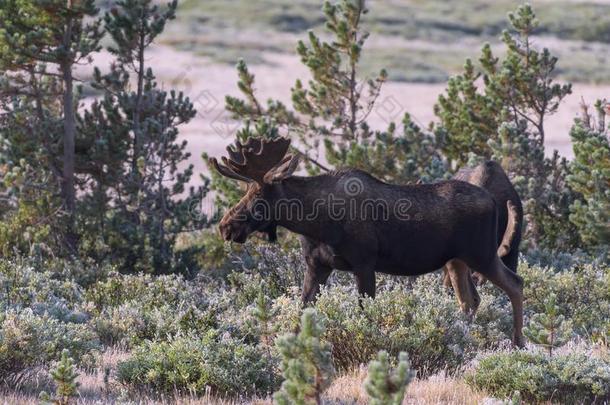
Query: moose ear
(287, 166)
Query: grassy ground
(418, 41)
(410, 19)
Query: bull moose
(360, 224)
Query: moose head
(263, 164)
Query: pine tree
(133, 141)
(306, 363)
(549, 329)
(504, 120)
(387, 386)
(590, 176)
(336, 100)
(35, 34)
(468, 117)
(334, 107)
(407, 157)
(64, 374)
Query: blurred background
(420, 43)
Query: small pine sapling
(263, 314)
(515, 399)
(549, 329)
(64, 374)
(387, 386)
(307, 365)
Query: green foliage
(191, 363)
(130, 324)
(334, 94)
(28, 225)
(118, 181)
(386, 386)
(147, 290)
(40, 43)
(263, 316)
(220, 332)
(549, 329)
(24, 285)
(517, 88)
(129, 309)
(32, 32)
(577, 376)
(468, 117)
(307, 365)
(64, 375)
(402, 158)
(590, 176)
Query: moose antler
(256, 159)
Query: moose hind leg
(446, 278)
(512, 284)
(315, 276)
(463, 285)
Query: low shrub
(29, 340)
(574, 376)
(149, 291)
(493, 324)
(129, 324)
(583, 296)
(191, 363)
(24, 286)
(423, 321)
(281, 270)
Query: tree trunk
(137, 112)
(67, 186)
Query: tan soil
(207, 83)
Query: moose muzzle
(233, 232)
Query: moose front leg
(315, 276)
(365, 279)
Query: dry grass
(349, 388)
(442, 390)
(101, 387)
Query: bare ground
(207, 83)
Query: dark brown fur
(447, 223)
(491, 177)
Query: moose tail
(511, 229)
